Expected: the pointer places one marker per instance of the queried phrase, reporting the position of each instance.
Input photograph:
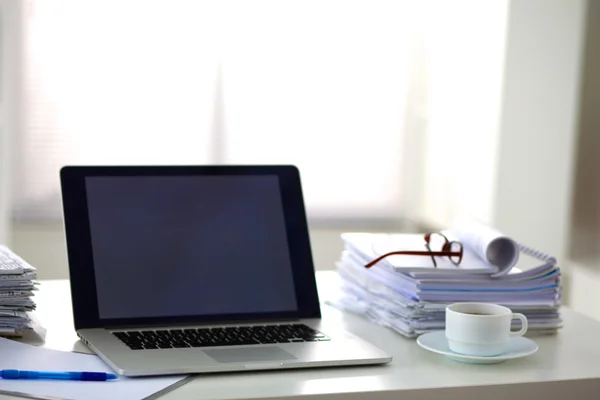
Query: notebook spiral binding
(537, 254)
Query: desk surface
(567, 364)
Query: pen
(65, 376)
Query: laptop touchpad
(250, 354)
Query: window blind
(318, 84)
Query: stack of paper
(409, 294)
(17, 285)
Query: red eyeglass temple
(415, 253)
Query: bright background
(399, 114)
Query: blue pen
(65, 376)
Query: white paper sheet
(488, 243)
(15, 355)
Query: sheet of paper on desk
(15, 355)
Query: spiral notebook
(486, 252)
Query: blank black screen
(189, 246)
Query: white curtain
(379, 103)
(320, 84)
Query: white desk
(567, 365)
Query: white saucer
(517, 347)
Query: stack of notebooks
(17, 285)
(408, 294)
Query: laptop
(197, 269)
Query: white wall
(43, 246)
(584, 271)
(541, 184)
(4, 173)
(510, 163)
(9, 68)
(549, 125)
(538, 126)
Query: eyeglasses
(451, 249)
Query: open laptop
(192, 269)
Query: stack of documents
(409, 294)
(17, 285)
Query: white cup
(480, 329)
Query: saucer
(517, 347)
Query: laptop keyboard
(227, 336)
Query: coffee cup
(480, 329)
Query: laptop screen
(202, 245)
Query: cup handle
(523, 320)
